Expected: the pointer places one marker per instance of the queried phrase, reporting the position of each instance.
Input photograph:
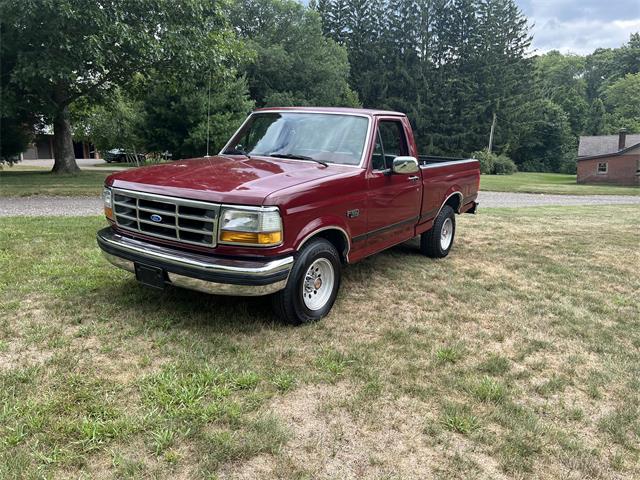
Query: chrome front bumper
(205, 273)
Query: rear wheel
(313, 284)
(437, 242)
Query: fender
(322, 224)
(453, 190)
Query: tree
(114, 123)
(607, 65)
(70, 49)
(174, 115)
(16, 123)
(15, 137)
(622, 101)
(294, 63)
(560, 79)
(594, 124)
(449, 64)
(545, 143)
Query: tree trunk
(64, 158)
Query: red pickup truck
(296, 194)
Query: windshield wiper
(293, 156)
(236, 151)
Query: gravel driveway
(70, 206)
(44, 206)
(507, 199)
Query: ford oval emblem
(155, 218)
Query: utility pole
(493, 126)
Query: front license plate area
(150, 276)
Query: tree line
(144, 74)
(460, 67)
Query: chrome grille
(188, 221)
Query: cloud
(581, 26)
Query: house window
(602, 168)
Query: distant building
(42, 148)
(612, 159)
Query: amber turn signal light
(270, 238)
(108, 212)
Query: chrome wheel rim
(446, 234)
(317, 284)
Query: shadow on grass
(177, 307)
(131, 302)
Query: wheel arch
(337, 235)
(454, 200)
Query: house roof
(604, 144)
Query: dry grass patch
(515, 357)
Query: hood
(227, 179)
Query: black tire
(430, 241)
(288, 303)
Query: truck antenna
(208, 113)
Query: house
(42, 148)
(613, 159)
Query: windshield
(317, 136)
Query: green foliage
(486, 159)
(503, 165)
(594, 124)
(560, 79)
(449, 65)
(451, 354)
(87, 49)
(489, 390)
(490, 163)
(134, 74)
(114, 124)
(459, 419)
(14, 139)
(622, 101)
(545, 142)
(174, 116)
(16, 122)
(294, 64)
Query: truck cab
(295, 195)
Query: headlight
(261, 227)
(108, 204)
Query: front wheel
(437, 242)
(313, 284)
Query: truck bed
(425, 160)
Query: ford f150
(296, 194)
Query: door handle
(413, 178)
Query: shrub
(503, 165)
(490, 163)
(486, 160)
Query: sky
(580, 26)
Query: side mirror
(405, 165)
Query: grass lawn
(552, 183)
(517, 356)
(23, 183)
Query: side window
(393, 144)
(602, 168)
